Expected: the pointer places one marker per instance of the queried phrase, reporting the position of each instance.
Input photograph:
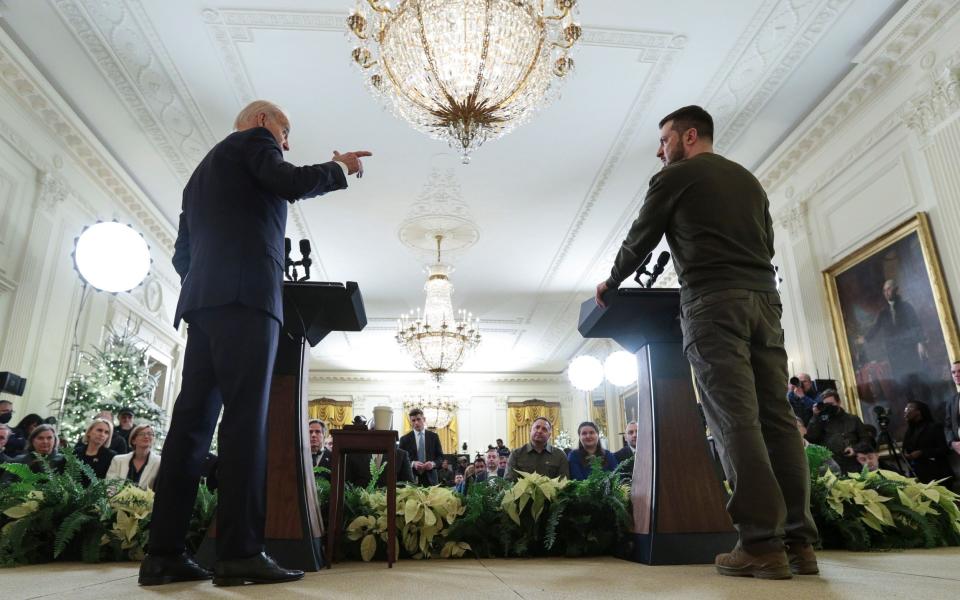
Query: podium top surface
(634, 317)
(313, 309)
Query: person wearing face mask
(589, 451)
(4, 436)
(95, 450)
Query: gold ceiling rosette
(465, 71)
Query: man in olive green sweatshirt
(716, 218)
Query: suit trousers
(228, 363)
(734, 341)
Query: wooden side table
(374, 442)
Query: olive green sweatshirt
(716, 217)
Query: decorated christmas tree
(113, 377)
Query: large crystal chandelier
(438, 411)
(438, 339)
(465, 71)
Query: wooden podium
(294, 526)
(677, 493)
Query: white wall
(56, 178)
(881, 147)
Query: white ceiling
(160, 82)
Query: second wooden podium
(677, 493)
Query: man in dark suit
(953, 412)
(229, 255)
(424, 449)
(630, 436)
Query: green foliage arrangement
(881, 510)
(589, 517)
(49, 515)
(482, 522)
(204, 507)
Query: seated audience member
(4, 436)
(13, 444)
(537, 456)
(445, 473)
(462, 463)
(924, 446)
(140, 465)
(94, 450)
(502, 465)
(126, 418)
(630, 445)
(589, 450)
(867, 456)
(357, 468)
(464, 480)
(837, 430)
(117, 442)
(41, 447)
(17, 443)
(492, 461)
(802, 395)
(501, 449)
(318, 452)
(480, 472)
(457, 480)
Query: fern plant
(204, 508)
(589, 517)
(47, 515)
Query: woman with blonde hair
(95, 450)
(141, 464)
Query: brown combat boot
(802, 559)
(740, 563)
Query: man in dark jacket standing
(229, 254)
(424, 449)
(716, 219)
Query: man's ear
(690, 136)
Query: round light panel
(621, 368)
(585, 373)
(112, 257)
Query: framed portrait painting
(894, 326)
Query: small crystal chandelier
(465, 71)
(438, 411)
(438, 340)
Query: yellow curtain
(335, 413)
(520, 417)
(598, 414)
(448, 435)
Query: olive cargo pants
(734, 341)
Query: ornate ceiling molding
(780, 37)
(53, 191)
(121, 42)
(39, 99)
(935, 106)
(881, 64)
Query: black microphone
(658, 268)
(641, 270)
(287, 261)
(305, 259)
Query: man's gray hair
(253, 109)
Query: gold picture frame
(877, 366)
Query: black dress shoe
(259, 568)
(158, 570)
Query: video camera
(826, 411)
(883, 417)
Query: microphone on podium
(641, 270)
(305, 260)
(662, 261)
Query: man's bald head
(266, 114)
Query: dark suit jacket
(952, 422)
(229, 247)
(623, 454)
(357, 469)
(432, 449)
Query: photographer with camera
(802, 395)
(838, 430)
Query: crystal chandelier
(438, 411)
(438, 339)
(465, 71)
